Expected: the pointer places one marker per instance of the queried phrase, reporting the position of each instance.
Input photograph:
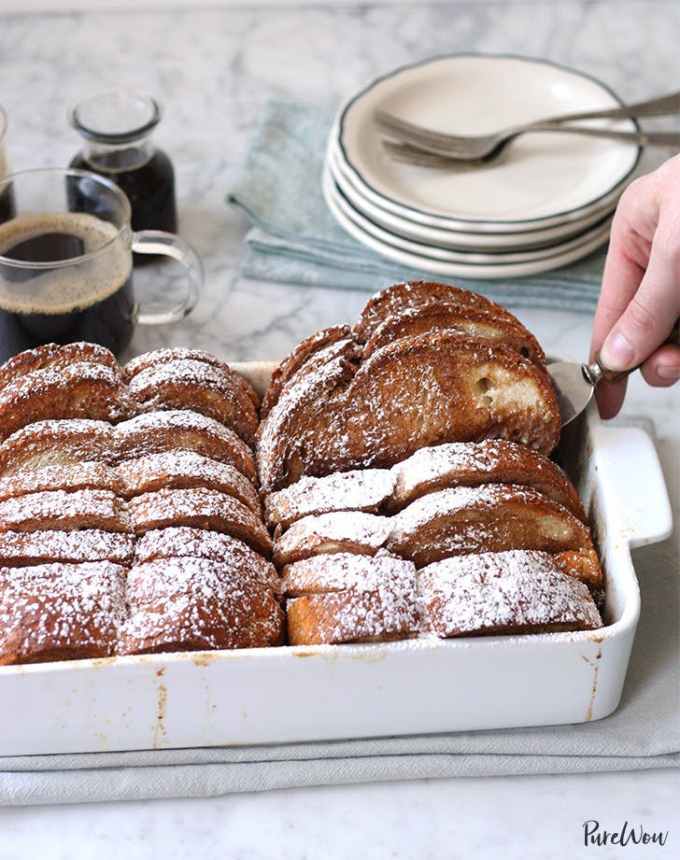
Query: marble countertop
(213, 70)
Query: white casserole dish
(276, 695)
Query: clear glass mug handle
(169, 245)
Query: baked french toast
(182, 430)
(20, 549)
(366, 490)
(350, 598)
(459, 319)
(194, 604)
(419, 391)
(416, 294)
(469, 464)
(487, 518)
(60, 611)
(318, 348)
(47, 443)
(513, 592)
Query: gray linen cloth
(644, 732)
(295, 239)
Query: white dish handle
(632, 477)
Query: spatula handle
(596, 371)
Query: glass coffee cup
(66, 263)
(6, 203)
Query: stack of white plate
(545, 201)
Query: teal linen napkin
(295, 239)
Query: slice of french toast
(423, 390)
(60, 611)
(199, 508)
(64, 442)
(488, 518)
(469, 464)
(20, 549)
(194, 604)
(504, 593)
(366, 490)
(182, 430)
(463, 320)
(418, 294)
(323, 344)
(79, 390)
(350, 598)
(183, 383)
(184, 470)
(163, 356)
(56, 356)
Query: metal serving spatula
(575, 383)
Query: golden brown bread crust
(416, 294)
(188, 384)
(62, 511)
(460, 319)
(423, 390)
(60, 611)
(183, 430)
(55, 443)
(78, 476)
(299, 357)
(183, 470)
(502, 593)
(469, 464)
(199, 508)
(20, 549)
(488, 518)
(81, 390)
(55, 356)
(350, 598)
(583, 564)
(163, 356)
(194, 604)
(367, 490)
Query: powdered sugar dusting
(24, 548)
(62, 510)
(323, 574)
(186, 542)
(75, 476)
(358, 490)
(502, 592)
(344, 531)
(60, 611)
(194, 603)
(184, 470)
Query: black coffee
(7, 209)
(150, 187)
(92, 300)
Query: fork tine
(407, 154)
(417, 134)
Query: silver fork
(410, 154)
(478, 147)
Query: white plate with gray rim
(445, 268)
(368, 228)
(460, 240)
(539, 180)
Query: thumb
(651, 314)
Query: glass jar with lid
(117, 130)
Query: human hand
(640, 299)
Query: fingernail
(617, 352)
(668, 371)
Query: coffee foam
(65, 288)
